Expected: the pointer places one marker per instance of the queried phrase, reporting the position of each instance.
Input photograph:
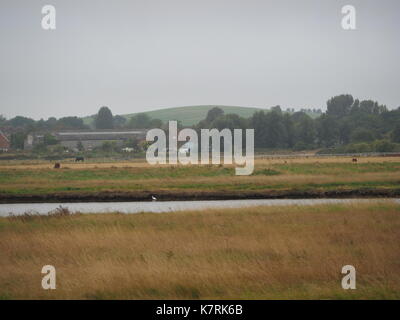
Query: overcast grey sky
(140, 55)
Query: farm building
(88, 138)
(4, 142)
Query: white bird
(153, 198)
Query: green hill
(189, 115)
(193, 114)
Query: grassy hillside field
(255, 253)
(189, 115)
(300, 177)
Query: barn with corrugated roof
(88, 138)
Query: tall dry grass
(263, 252)
(299, 174)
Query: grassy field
(255, 253)
(282, 176)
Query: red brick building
(4, 142)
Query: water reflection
(163, 206)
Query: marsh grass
(322, 174)
(254, 253)
(60, 211)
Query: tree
(276, 109)
(143, 121)
(340, 106)
(362, 135)
(155, 123)
(119, 121)
(396, 134)
(258, 123)
(49, 139)
(359, 148)
(213, 114)
(384, 146)
(344, 131)
(305, 131)
(79, 146)
(276, 134)
(3, 120)
(368, 106)
(229, 121)
(19, 121)
(390, 119)
(289, 128)
(327, 131)
(139, 121)
(51, 123)
(17, 140)
(104, 119)
(355, 107)
(69, 123)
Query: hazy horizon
(137, 56)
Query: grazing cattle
(57, 165)
(354, 160)
(77, 159)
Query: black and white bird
(153, 198)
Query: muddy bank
(163, 195)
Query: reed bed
(292, 252)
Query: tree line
(348, 125)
